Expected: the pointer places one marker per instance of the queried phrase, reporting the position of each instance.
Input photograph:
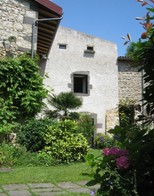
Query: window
(89, 52)
(62, 46)
(80, 83)
(90, 48)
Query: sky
(105, 19)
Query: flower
(101, 139)
(122, 162)
(92, 192)
(114, 151)
(106, 151)
(144, 35)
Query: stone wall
(129, 79)
(112, 118)
(16, 18)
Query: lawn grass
(60, 173)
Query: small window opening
(90, 48)
(62, 46)
(90, 51)
(80, 83)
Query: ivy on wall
(21, 90)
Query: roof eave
(47, 29)
(51, 6)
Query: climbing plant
(21, 90)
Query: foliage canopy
(64, 101)
(21, 89)
(142, 53)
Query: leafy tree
(21, 90)
(142, 53)
(64, 102)
(127, 168)
(131, 49)
(139, 141)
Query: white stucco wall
(102, 68)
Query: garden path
(45, 189)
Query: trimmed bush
(53, 140)
(31, 134)
(64, 143)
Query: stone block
(28, 20)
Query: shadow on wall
(42, 66)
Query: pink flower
(119, 152)
(114, 151)
(106, 151)
(122, 162)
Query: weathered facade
(17, 18)
(87, 66)
(130, 80)
(15, 35)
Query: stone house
(76, 62)
(25, 26)
(130, 80)
(87, 66)
(131, 84)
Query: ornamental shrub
(112, 172)
(127, 167)
(6, 155)
(102, 141)
(126, 112)
(86, 127)
(18, 156)
(64, 102)
(64, 143)
(31, 134)
(24, 158)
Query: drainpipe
(142, 90)
(33, 30)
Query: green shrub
(45, 159)
(63, 102)
(31, 134)
(103, 141)
(6, 154)
(64, 143)
(18, 156)
(126, 167)
(21, 86)
(26, 158)
(126, 112)
(22, 157)
(86, 127)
